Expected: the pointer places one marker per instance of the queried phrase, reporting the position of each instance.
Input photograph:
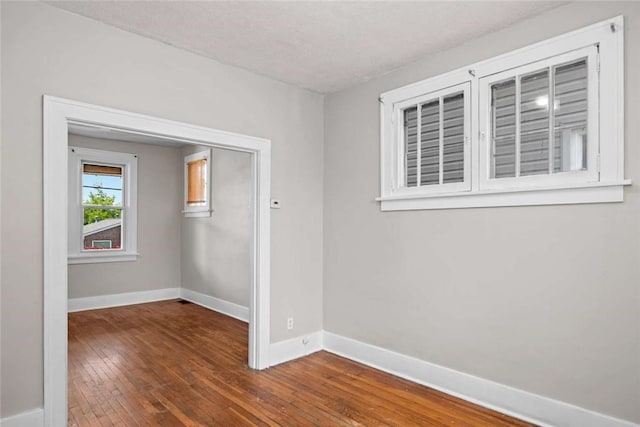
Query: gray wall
(216, 250)
(159, 205)
(545, 299)
(49, 51)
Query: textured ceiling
(319, 45)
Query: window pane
(411, 146)
(503, 129)
(102, 185)
(102, 229)
(570, 108)
(197, 183)
(534, 123)
(430, 143)
(453, 143)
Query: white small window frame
(565, 188)
(129, 162)
(588, 176)
(205, 210)
(398, 111)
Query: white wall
(159, 205)
(216, 250)
(545, 299)
(49, 51)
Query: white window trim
(76, 253)
(609, 188)
(206, 209)
(540, 181)
(398, 117)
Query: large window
(541, 125)
(102, 206)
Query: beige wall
(159, 206)
(49, 51)
(216, 251)
(545, 299)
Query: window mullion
(518, 97)
(419, 145)
(103, 207)
(441, 140)
(552, 106)
(490, 134)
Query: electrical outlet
(290, 323)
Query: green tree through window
(99, 198)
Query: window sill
(197, 214)
(590, 193)
(100, 258)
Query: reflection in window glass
(453, 138)
(552, 110)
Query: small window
(197, 182)
(102, 206)
(542, 122)
(434, 135)
(540, 125)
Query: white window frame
(201, 210)
(398, 111)
(603, 182)
(129, 162)
(549, 180)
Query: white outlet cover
(275, 204)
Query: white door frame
(58, 113)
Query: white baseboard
(526, 406)
(225, 307)
(294, 348)
(115, 300)
(34, 418)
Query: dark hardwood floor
(173, 364)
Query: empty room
(319, 213)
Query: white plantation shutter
(534, 113)
(434, 132)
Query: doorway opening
(62, 116)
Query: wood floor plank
(173, 364)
